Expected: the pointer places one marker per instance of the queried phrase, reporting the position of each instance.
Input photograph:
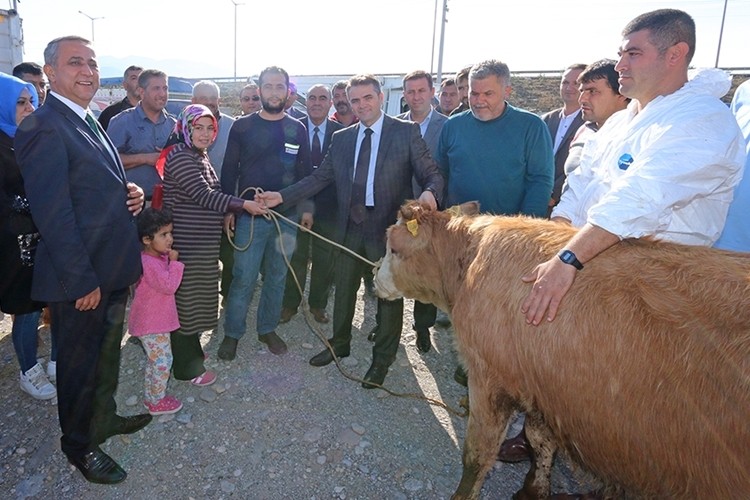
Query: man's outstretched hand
(269, 199)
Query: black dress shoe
(424, 344)
(324, 358)
(228, 349)
(98, 467)
(375, 375)
(124, 425)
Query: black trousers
(320, 253)
(348, 276)
(424, 315)
(88, 368)
(188, 355)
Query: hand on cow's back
(551, 281)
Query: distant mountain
(115, 66)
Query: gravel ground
(272, 427)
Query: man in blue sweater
(495, 153)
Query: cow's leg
(488, 422)
(544, 446)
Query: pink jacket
(153, 309)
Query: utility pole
(92, 23)
(235, 37)
(442, 42)
(434, 29)
(721, 33)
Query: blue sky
(195, 38)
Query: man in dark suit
(372, 164)
(320, 130)
(418, 93)
(290, 100)
(563, 124)
(88, 254)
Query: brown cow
(643, 377)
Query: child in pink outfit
(153, 312)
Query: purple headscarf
(183, 129)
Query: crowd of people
(639, 148)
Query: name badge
(291, 149)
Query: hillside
(540, 94)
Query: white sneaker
(52, 371)
(35, 383)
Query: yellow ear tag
(454, 211)
(412, 226)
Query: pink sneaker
(206, 378)
(165, 406)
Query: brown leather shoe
(319, 315)
(274, 343)
(515, 450)
(287, 313)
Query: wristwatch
(570, 258)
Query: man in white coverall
(666, 166)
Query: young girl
(153, 312)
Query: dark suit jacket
(325, 201)
(77, 194)
(552, 119)
(431, 137)
(402, 153)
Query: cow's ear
(470, 208)
(410, 209)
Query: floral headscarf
(10, 89)
(185, 121)
(183, 129)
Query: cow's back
(645, 373)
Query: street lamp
(92, 23)
(442, 42)
(721, 33)
(235, 37)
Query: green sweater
(506, 164)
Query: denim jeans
(25, 339)
(264, 253)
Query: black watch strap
(570, 258)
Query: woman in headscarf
(193, 193)
(18, 239)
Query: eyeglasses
(253, 98)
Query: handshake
(268, 199)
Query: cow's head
(411, 266)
